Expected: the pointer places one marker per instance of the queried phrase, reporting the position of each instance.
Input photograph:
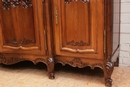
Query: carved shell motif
(68, 1)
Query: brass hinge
(105, 38)
(45, 40)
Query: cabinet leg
(50, 68)
(108, 69)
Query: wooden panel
(74, 23)
(22, 26)
(18, 29)
(77, 28)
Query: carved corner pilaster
(50, 67)
(107, 72)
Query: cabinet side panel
(116, 29)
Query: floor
(26, 74)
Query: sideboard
(79, 33)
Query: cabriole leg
(50, 67)
(108, 69)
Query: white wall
(125, 33)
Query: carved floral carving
(68, 1)
(23, 41)
(77, 62)
(6, 4)
(81, 43)
(26, 3)
(11, 60)
(16, 3)
(16, 59)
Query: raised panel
(20, 26)
(18, 29)
(73, 21)
(77, 32)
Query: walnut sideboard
(76, 32)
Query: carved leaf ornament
(81, 43)
(68, 1)
(16, 3)
(21, 41)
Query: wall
(125, 33)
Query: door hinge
(45, 40)
(105, 38)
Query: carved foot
(50, 67)
(108, 69)
(108, 82)
(51, 76)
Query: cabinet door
(22, 26)
(79, 28)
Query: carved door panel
(21, 26)
(79, 28)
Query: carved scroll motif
(81, 43)
(68, 1)
(23, 41)
(16, 3)
(109, 69)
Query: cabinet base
(107, 67)
(9, 59)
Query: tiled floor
(25, 74)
